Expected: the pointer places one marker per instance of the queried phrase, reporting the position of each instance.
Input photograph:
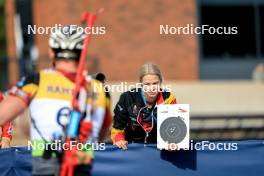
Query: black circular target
(173, 130)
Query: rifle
(78, 102)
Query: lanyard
(145, 106)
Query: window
(238, 45)
(231, 56)
(261, 12)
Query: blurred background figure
(258, 73)
(104, 134)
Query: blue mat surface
(147, 160)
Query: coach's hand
(5, 143)
(122, 144)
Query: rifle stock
(78, 102)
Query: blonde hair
(149, 69)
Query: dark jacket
(133, 121)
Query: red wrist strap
(7, 130)
(119, 136)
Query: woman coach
(135, 114)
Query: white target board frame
(173, 126)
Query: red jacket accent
(8, 127)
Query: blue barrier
(147, 160)
(15, 161)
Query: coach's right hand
(122, 144)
